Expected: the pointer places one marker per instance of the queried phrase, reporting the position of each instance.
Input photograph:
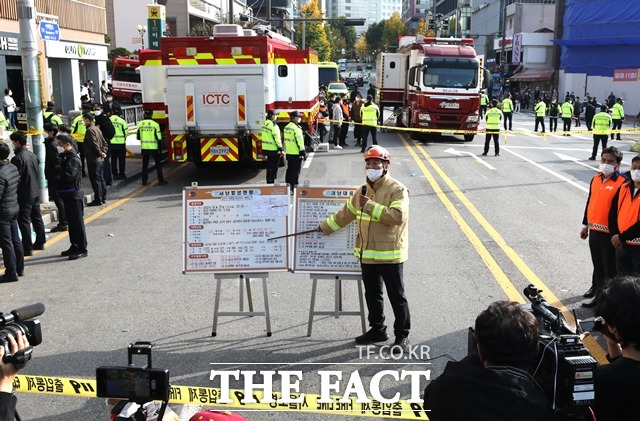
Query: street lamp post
(141, 30)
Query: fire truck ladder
(312, 140)
(393, 118)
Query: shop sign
(75, 50)
(8, 43)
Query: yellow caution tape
(208, 396)
(483, 131)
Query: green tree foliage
(337, 42)
(315, 34)
(200, 29)
(394, 27)
(374, 36)
(119, 52)
(423, 29)
(348, 33)
(362, 49)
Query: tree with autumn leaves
(315, 32)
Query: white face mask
(374, 175)
(97, 112)
(635, 175)
(607, 169)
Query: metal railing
(133, 114)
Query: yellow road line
(112, 206)
(484, 253)
(594, 348)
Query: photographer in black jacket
(493, 384)
(8, 372)
(617, 385)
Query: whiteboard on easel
(225, 229)
(317, 252)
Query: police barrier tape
(484, 131)
(208, 396)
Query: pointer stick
(292, 235)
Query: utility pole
(230, 12)
(31, 79)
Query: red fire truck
(211, 94)
(432, 83)
(125, 80)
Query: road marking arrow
(576, 160)
(478, 159)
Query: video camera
(565, 370)
(21, 320)
(139, 385)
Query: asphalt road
(480, 230)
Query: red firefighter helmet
(377, 152)
(213, 415)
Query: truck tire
(137, 99)
(468, 137)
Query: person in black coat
(69, 188)
(589, 113)
(52, 160)
(108, 131)
(10, 243)
(28, 194)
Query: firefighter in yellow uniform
(149, 135)
(567, 113)
(118, 144)
(540, 110)
(601, 128)
(493, 117)
(78, 130)
(484, 101)
(271, 145)
(617, 115)
(294, 148)
(507, 110)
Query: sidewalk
(133, 172)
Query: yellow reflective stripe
(378, 254)
(377, 212)
(332, 223)
(396, 204)
(351, 208)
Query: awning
(531, 75)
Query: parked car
(359, 68)
(337, 88)
(351, 82)
(369, 67)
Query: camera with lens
(137, 386)
(21, 320)
(564, 369)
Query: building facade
(413, 10)
(80, 55)
(458, 15)
(352, 9)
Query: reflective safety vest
(149, 134)
(493, 118)
(322, 114)
(369, 114)
(3, 120)
(51, 117)
(507, 105)
(628, 211)
(271, 136)
(293, 139)
(540, 109)
(78, 129)
(601, 194)
(121, 130)
(567, 110)
(601, 123)
(617, 111)
(484, 99)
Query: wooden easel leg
(216, 307)
(312, 306)
(265, 293)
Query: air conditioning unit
(228, 30)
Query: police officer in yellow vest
(617, 115)
(78, 130)
(49, 115)
(540, 110)
(370, 115)
(484, 101)
(118, 144)
(493, 117)
(149, 135)
(601, 125)
(294, 148)
(507, 110)
(567, 113)
(271, 145)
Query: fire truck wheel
(137, 99)
(468, 137)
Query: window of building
(347, 7)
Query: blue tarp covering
(600, 36)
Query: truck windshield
(450, 73)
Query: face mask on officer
(109, 98)
(97, 112)
(635, 175)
